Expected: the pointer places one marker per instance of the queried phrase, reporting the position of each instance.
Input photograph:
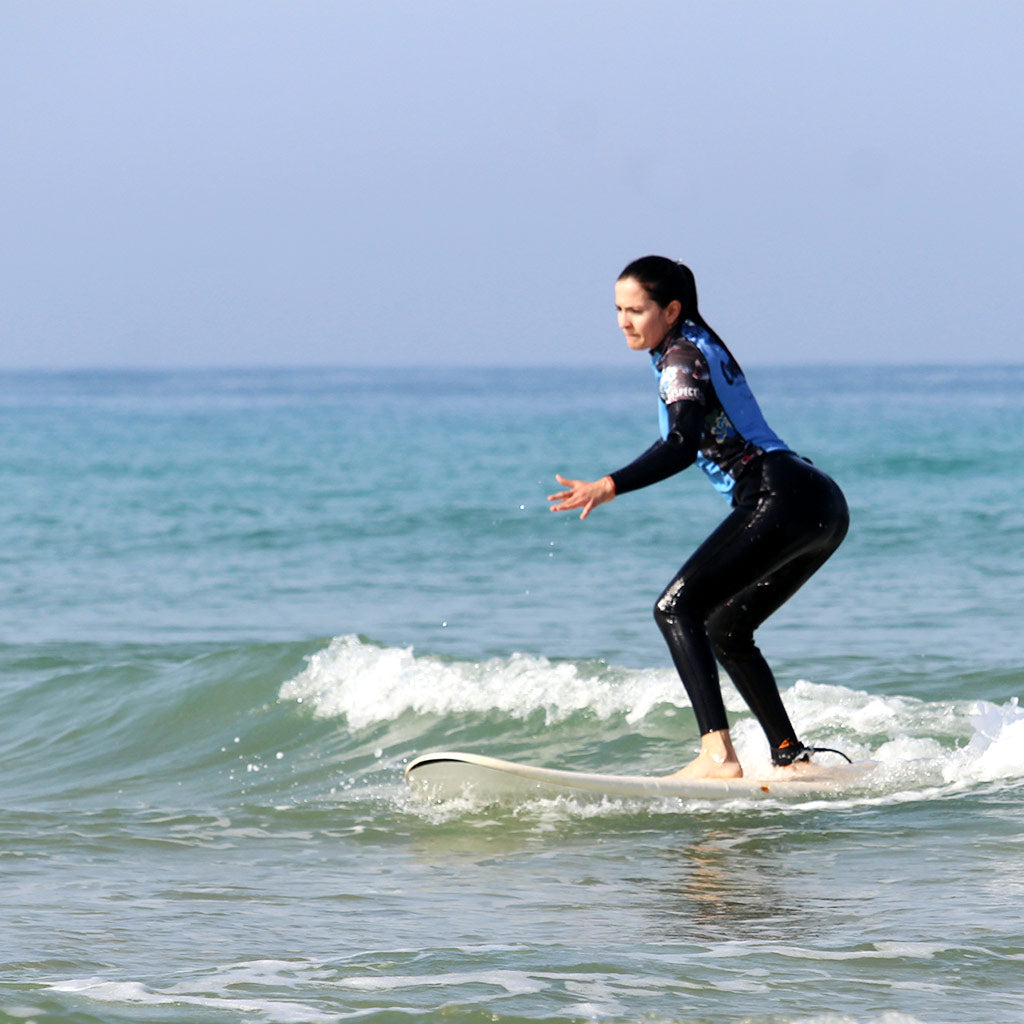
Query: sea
(237, 602)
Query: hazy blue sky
(378, 182)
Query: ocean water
(237, 603)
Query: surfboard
(447, 775)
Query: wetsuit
(787, 518)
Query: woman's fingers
(585, 494)
(564, 495)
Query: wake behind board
(447, 775)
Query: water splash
(919, 743)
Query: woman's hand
(585, 494)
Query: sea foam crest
(936, 742)
(368, 684)
(996, 750)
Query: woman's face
(641, 319)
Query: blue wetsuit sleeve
(666, 457)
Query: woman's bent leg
(756, 559)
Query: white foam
(919, 744)
(367, 684)
(212, 990)
(996, 750)
(514, 983)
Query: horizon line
(270, 367)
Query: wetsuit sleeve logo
(678, 385)
(683, 375)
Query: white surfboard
(446, 775)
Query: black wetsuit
(787, 518)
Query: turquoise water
(238, 602)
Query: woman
(787, 517)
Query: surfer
(787, 517)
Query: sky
(427, 182)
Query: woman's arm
(665, 457)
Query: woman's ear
(672, 311)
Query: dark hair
(666, 281)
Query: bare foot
(704, 766)
(717, 759)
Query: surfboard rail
(449, 774)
